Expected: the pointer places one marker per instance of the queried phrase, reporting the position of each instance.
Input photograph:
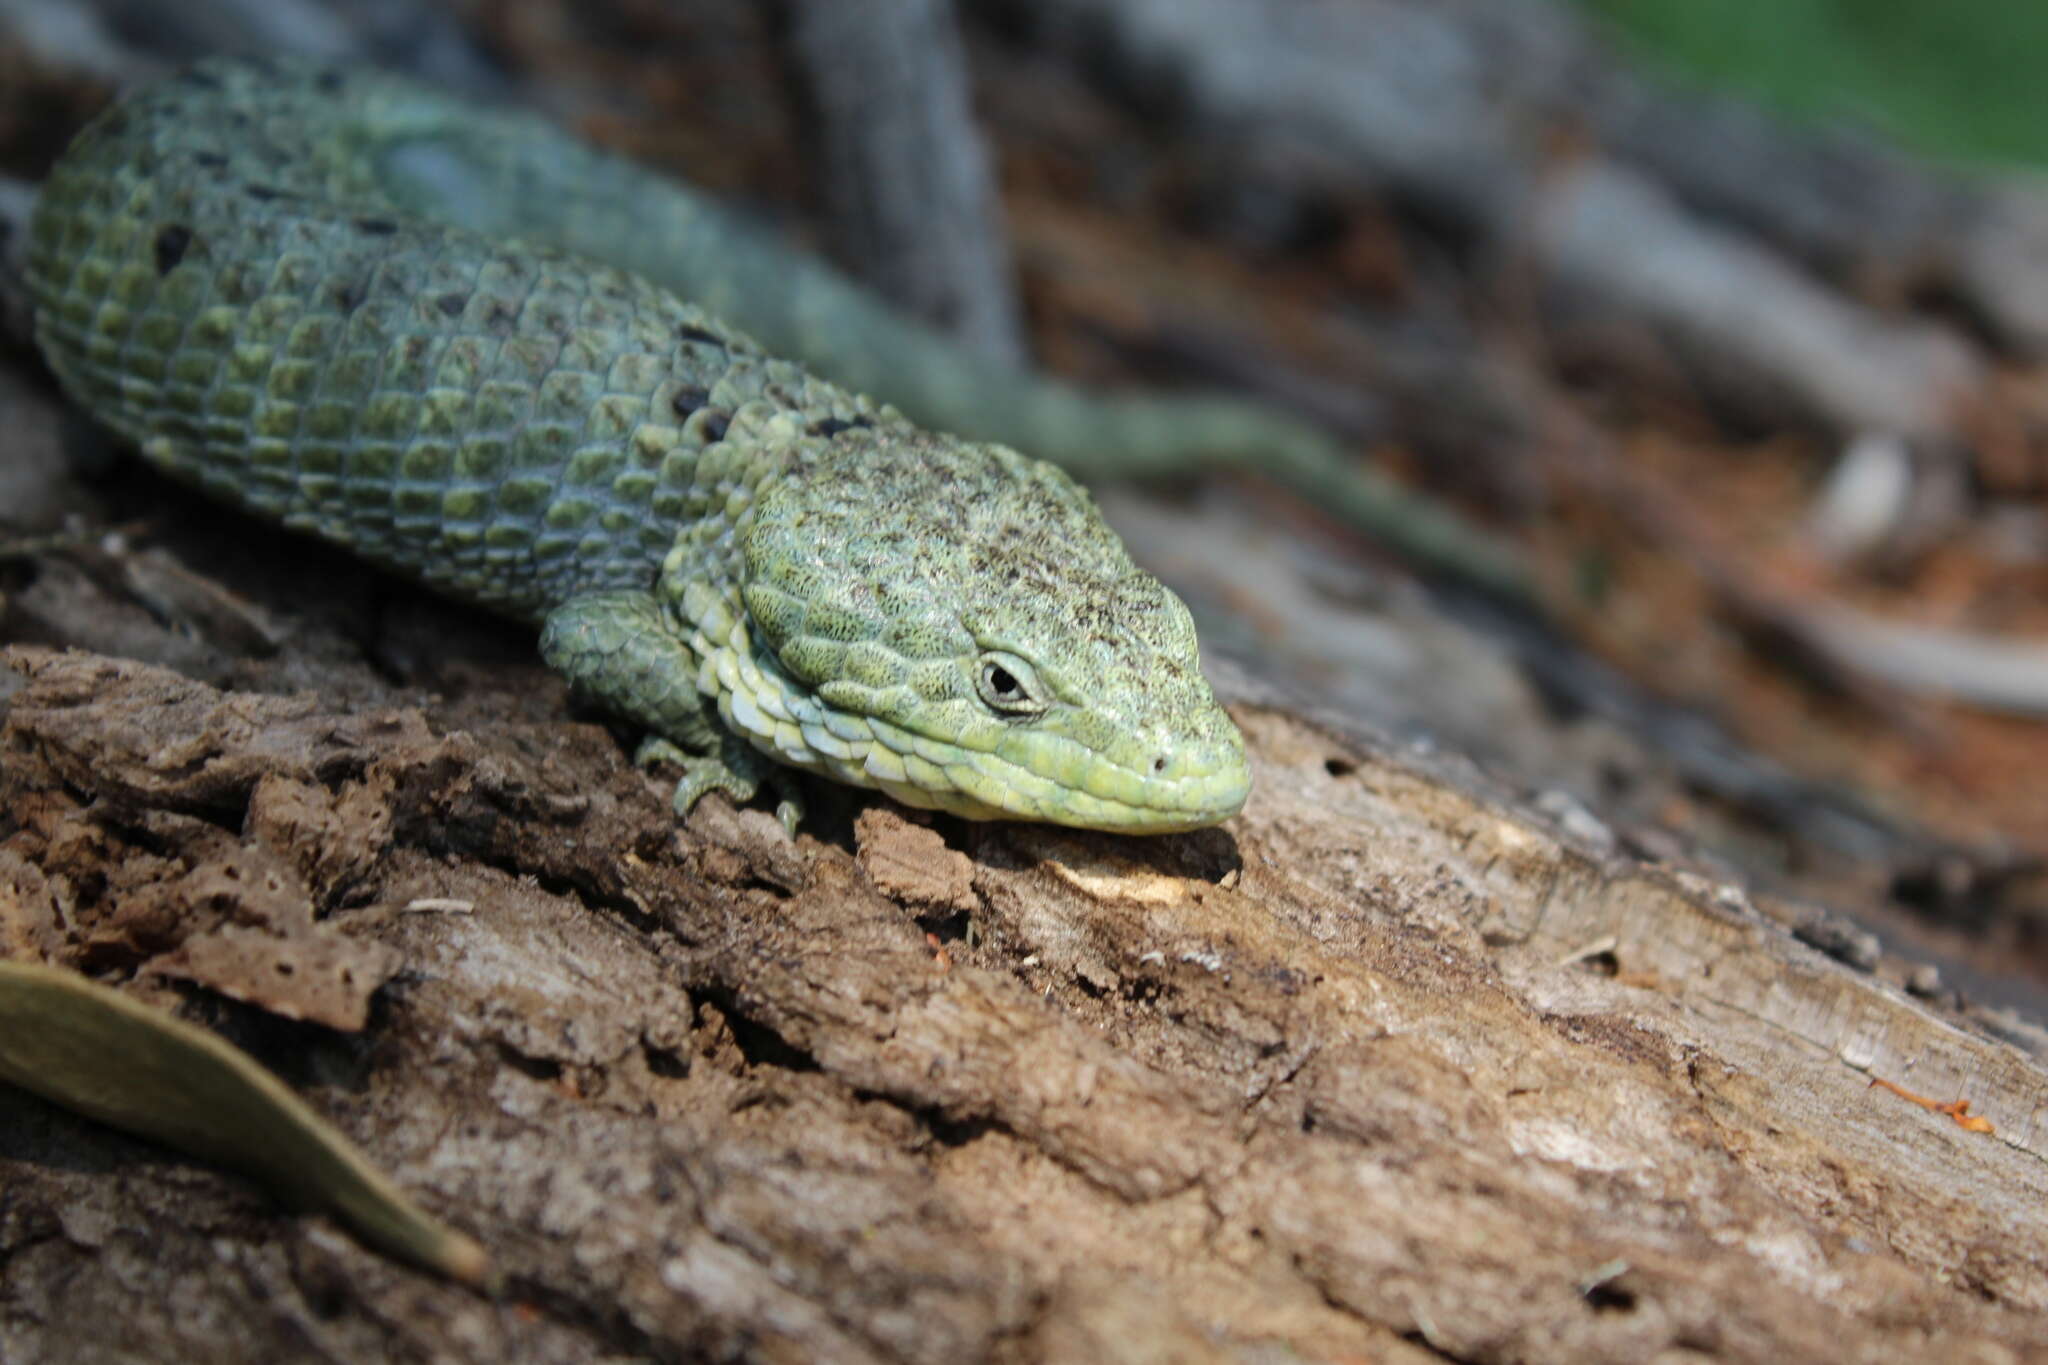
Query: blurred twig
(1460, 110)
(905, 173)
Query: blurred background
(1714, 331)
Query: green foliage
(1961, 79)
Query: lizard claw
(736, 770)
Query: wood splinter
(1959, 1110)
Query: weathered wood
(1385, 1059)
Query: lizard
(376, 314)
(264, 276)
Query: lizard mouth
(1202, 791)
(1031, 775)
(1067, 785)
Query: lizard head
(956, 625)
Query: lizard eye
(1008, 685)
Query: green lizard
(478, 352)
(379, 315)
(345, 303)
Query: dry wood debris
(1384, 1066)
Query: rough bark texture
(1384, 1069)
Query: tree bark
(1386, 1064)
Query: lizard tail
(516, 175)
(1107, 436)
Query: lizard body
(307, 292)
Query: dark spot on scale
(171, 244)
(203, 80)
(264, 193)
(349, 297)
(499, 317)
(213, 161)
(329, 80)
(687, 401)
(376, 227)
(452, 304)
(832, 426)
(714, 427)
(691, 332)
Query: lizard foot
(736, 770)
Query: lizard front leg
(626, 652)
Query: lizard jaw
(1065, 784)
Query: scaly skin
(511, 175)
(249, 271)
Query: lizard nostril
(1159, 764)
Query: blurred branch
(1463, 109)
(128, 41)
(1843, 203)
(1978, 670)
(76, 37)
(17, 312)
(905, 173)
(1749, 322)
